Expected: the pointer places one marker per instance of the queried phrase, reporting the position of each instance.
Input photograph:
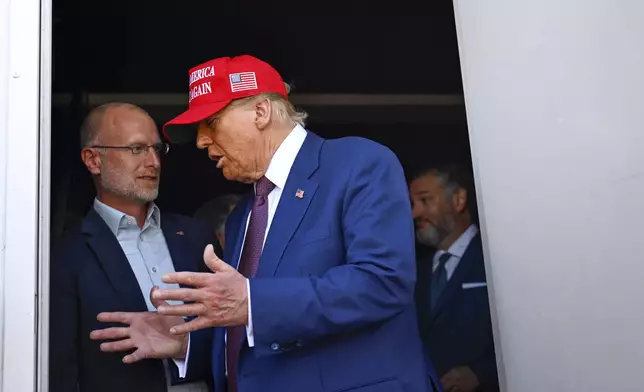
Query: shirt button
(129, 222)
(275, 346)
(154, 269)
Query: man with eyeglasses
(120, 252)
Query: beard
(432, 236)
(429, 237)
(125, 185)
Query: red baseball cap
(214, 84)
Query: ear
(263, 113)
(92, 160)
(459, 200)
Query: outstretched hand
(220, 298)
(148, 333)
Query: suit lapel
(239, 230)
(113, 261)
(455, 283)
(290, 212)
(183, 258)
(295, 200)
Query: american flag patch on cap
(243, 81)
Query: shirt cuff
(182, 364)
(249, 326)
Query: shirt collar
(154, 216)
(115, 218)
(460, 245)
(283, 159)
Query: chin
(234, 178)
(428, 237)
(148, 197)
(229, 176)
(237, 177)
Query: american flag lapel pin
(180, 232)
(299, 194)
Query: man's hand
(147, 332)
(460, 379)
(220, 299)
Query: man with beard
(451, 290)
(117, 255)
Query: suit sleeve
(64, 344)
(485, 368)
(375, 283)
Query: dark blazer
(332, 300)
(460, 331)
(91, 274)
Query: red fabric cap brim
(193, 116)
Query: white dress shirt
(147, 252)
(456, 251)
(278, 170)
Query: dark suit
(91, 274)
(459, 333)
(332, 300)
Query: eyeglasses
(137, 149)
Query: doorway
(355, 74)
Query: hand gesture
(220, 299)
(146, 332)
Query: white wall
(554, 92)
(19, 142)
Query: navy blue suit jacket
(91, 274)
(332, 300)
(459, 333)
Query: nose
(203, 138)
(416, 211)
(152, 158)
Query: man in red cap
(316, 293)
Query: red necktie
(248, 263)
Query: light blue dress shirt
(147, 252)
